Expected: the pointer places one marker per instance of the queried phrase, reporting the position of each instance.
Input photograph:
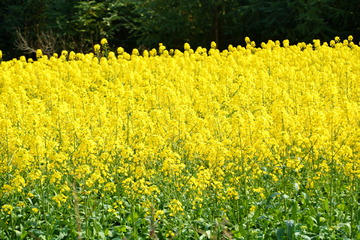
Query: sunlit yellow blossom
(7, 208)
(96, 48)
(170, 234)
(59, 199)
(30, 195)
(72, 55)
(39, 53)
(22, 59)
(252, 209)
(64, 53)
(187, 46)
(286, 43)
(159, 214)
(111, 55)
(135, 52)
(18, 182)
(173, 136)
(104, 41)
(175, 206)
(120, 50)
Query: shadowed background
(55, 25)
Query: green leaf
(208, 233)
(271, 197)
(290, 225)
(262, 217)
(23, 234)
(347, 225)
(326, 205)
(120, 229)
(280, 232)
(242, 230)
(296, 185)
(294, 210)
(312, 210)
(237, 234)
(62, 235)
(139, 222)
(284, 197)
(102, 235)
(306, 197)
(305, 237)
(130, 217)
(256, 214)
(18, 233)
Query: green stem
(132, 216)
(12, 225)
(284, 186)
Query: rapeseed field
(247, 143)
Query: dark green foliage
(174, 22)
(58, 24)
(296, 20)
(16, 15)
(78, 25)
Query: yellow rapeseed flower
(7, 208)
(204, 126)
(252, 209)
(187, 46)
(104, 41)
(39, 53)
(97, 48)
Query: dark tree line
(54, 25)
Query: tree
(173, 22)
(54, 25)
(296, 20)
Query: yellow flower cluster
(59, 199)
(35, 210)
(7, 208)
(200, 121)
(175, 207)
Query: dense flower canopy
(177, 132)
